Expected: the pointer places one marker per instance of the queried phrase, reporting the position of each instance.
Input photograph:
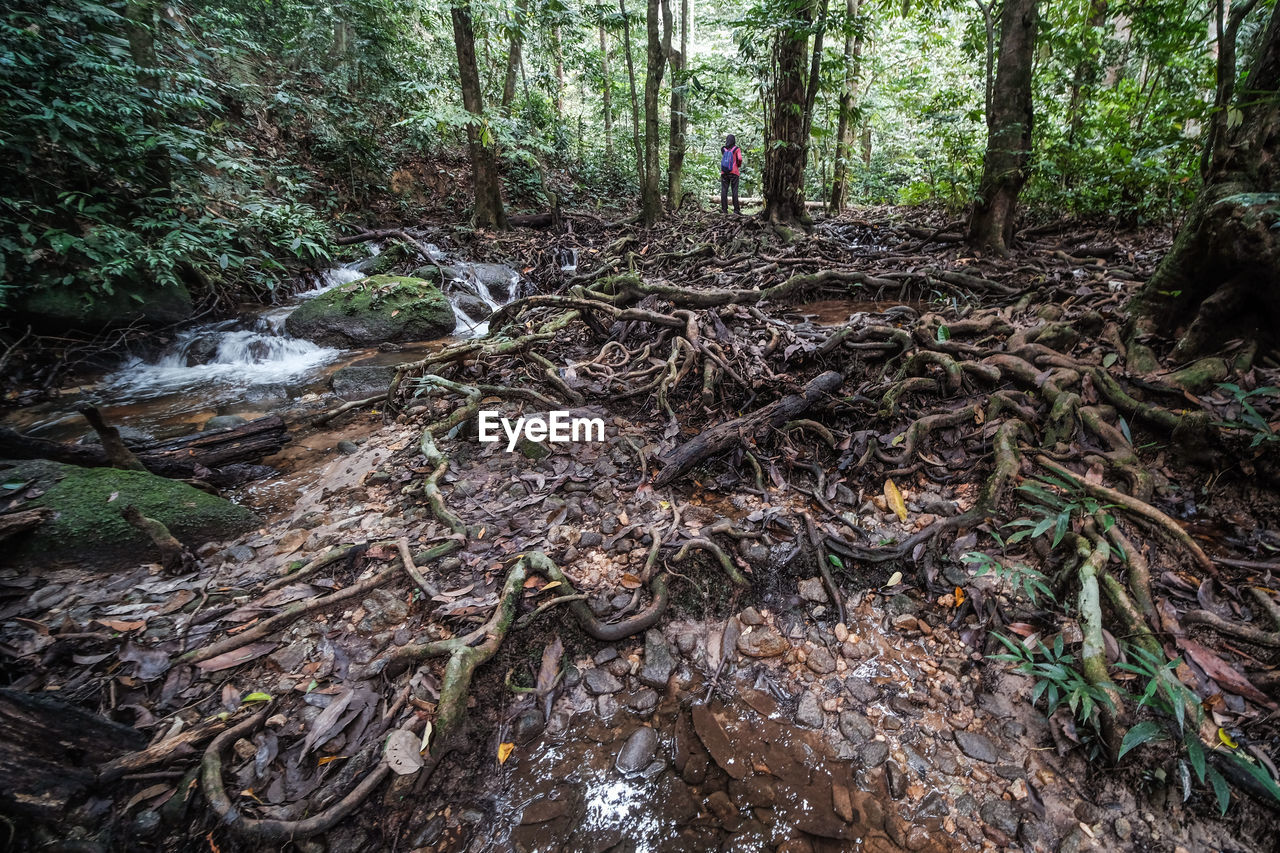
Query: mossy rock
(372, 311)
(60, 308)
(87, 529)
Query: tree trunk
(635, 100)
(679, 113)
(785, 141)
(844, 127)
(651, 191)
(557, 50)
(489, 212)
(1221, 278)
(607, 94)
(140, 16)
(514, 56)
(1009, 121)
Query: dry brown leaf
(894, 498)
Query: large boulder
(372, 311)
(87, 529)
(58, 309)
(500, 279)
(361, 381)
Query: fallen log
(725, 435)
(179, 458)
(49, 750)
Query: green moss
(88, 528)
(60, 307)
(373, 310)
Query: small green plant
(1030, 581)
(1251, 421)
(1179, 716)
(1060, 684)
(1054, 510)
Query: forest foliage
(216, 145)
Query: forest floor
(761, 613)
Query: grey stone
(897, 779)
(473, 306)
(874, 753)
(933, 805)
(346, 448)
(750, 616)
(528, 725)
(602, 657)
(977, 746)
(589, 539)
(239, 553)
(856, 727)
(223, 422)
(360, 381)
(600, 681)
(811, 589)
(821, 661)
(809, 713)
(658, 660)
(1001, 815)
(638, 752)
(643, 701)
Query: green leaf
(835, 561)
(1109, 359)
(1143, 732)
(1220, 790)
(256, 697)
(944, 334)
(1195, 751)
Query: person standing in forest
(730, 166)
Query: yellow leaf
(551, 585)
(504, 752)
(894, 497)
(894, 579)
(329, 758)
(959, 596)
(1226, 738)
(630, 581)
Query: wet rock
(590, 539)
(600, 681)
(500, 279)
(873, 753)
(862, 689)
(809, 713)
(473, 306)
(373, 310)
(239, 553)
(347, 448)
(896, 777)
(1001, 815)
(643, 702)
(714, 737)
(811, 589)
(658, 660)
(638, 752)
(856, 727)
(605, 655)
(722, 807)
(750, 616)
(762, 643)
(977, 746)
(607, 706)
(360, 381)
(88, 529)
(933, 805)
(223, 422)
(527, 725)
(842, 803)
(821, 661)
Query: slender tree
(1009, 124)
(635, 100)
(607, 94)
(650, 190)
(514, 54)
(489, 212)
(1221, 278)
(679, 113)
(845, 128)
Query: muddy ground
(785, 644)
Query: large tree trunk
(635, 99)
(607, 95)
(1009, 121)
(845, 126)
(489, 212)
(1221, 279)
(514, 55)
(651, 190)
(679, 113)
(785, 142)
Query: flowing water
(246, 365)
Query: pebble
(809, 713)
(977, 746)
(821, 661)
(659, 661)
(1001, 815)
(750, 616)
(638, 752)
(811, 589)
(599, 681)
(762, 643)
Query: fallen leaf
(146, 794)
(328, 758)
(1224, 673)
(504, 752)
(236, 657)
(1226, 739)
(894, 579)
(121, 625)
(894, 499)
(630, 581)
(551, 585)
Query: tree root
(608, 632)
(725, 561)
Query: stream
(246, 365)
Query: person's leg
(736, 208)
(724, 193)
